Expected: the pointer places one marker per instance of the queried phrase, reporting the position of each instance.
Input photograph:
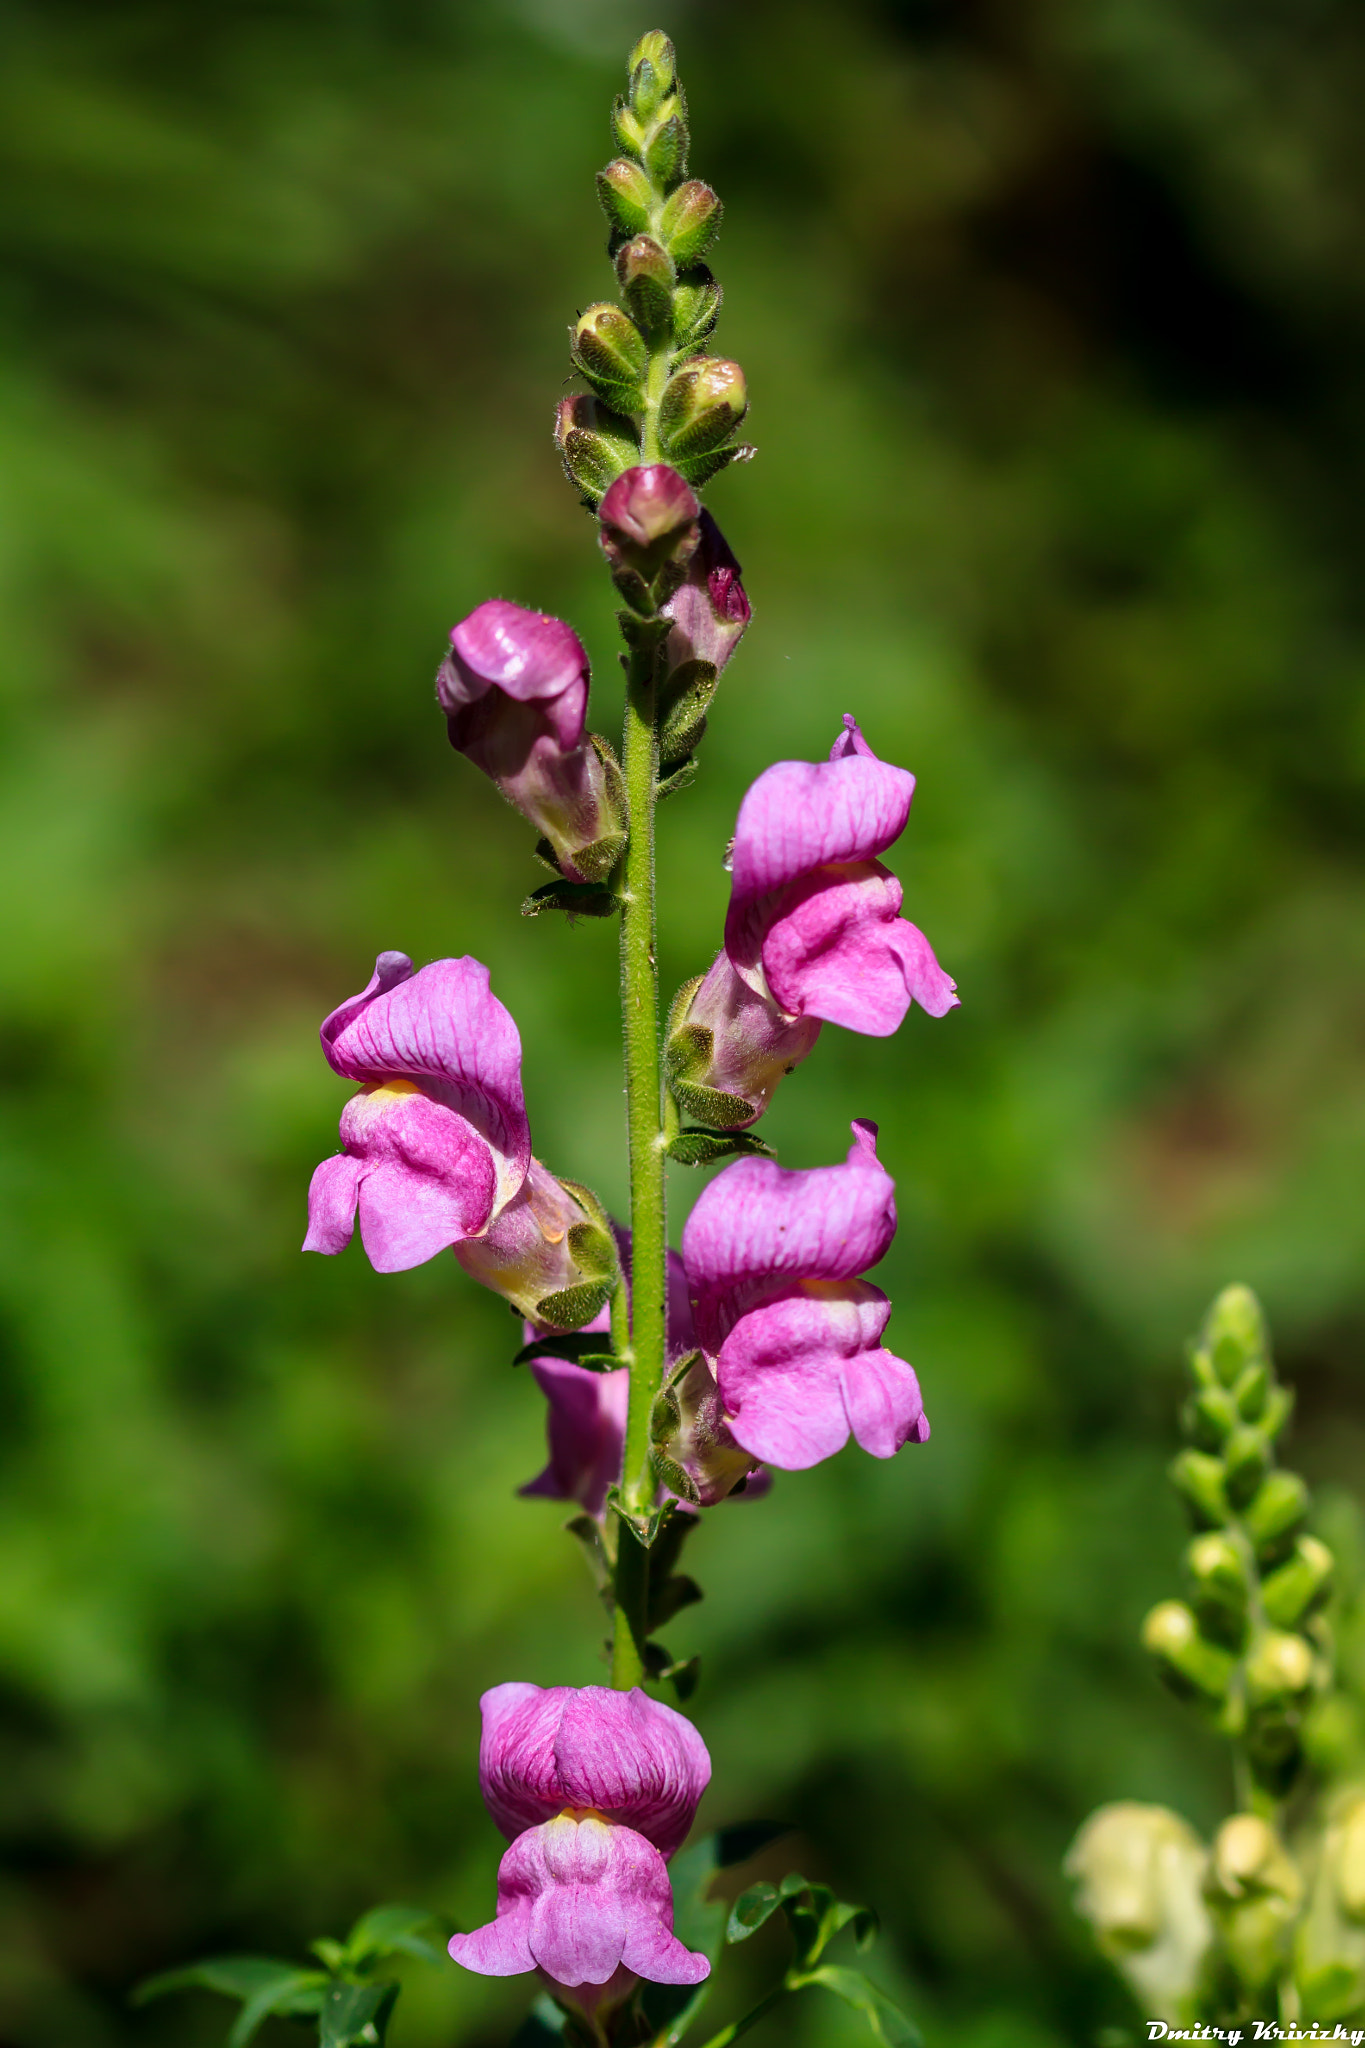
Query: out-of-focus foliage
(1052, 312)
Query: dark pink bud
(709, 609)
(648, 504)
(514, 689)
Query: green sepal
(595, 444)
(629, 132)
(1275, 1514)
(885, 2018)
(697, 299)
(671, 1475)
(687, 697)
(702, 404)
(690, 221)
(1198, 1478)
(1291, 1592)
(681, 778)
(355, 2015)
(691, 1147)
(646, 274)
(579, 1347)
(1246, 1459)
(266, 1986)
(571, 1307)
(575, 899)
(626, 196)
(699, 469)
(712, 1106)
(665, 156)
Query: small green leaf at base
(392, 1931)
(883, 2015)
(580, 1347)
(355, 2015)
(575, 899)
(701, 1148)
(680, 778)
(266, 1987)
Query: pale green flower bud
(597, 445)
(1291, 1593)
(690, 222)
(1279, 1669)
(702, 405)
(612, 354)
(1275, 1514)
(1139, 1872)
(1188, 1662)
(646, 274)
(1254, 1890)
(627, 196)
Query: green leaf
(883, 2015)
(575, 899)
(699, 1921)
(355, 2015)
(752, 1910)
(580, 1347)
(392, 1930)
(692, 1147)
(264, 1985)
(679, 778)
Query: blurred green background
(1052, 312)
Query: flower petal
(586, 1429)
(528, 655)
(759, 1224)
(445, 1029)
(580, 1897)
(835, 947)
(883, 1402)
(801, 815)
(621, 1752)
(331, 1204)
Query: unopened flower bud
(1251, 1390)
(626, 194)
(514, 689)
(649, 533)
(1216, 1568)
(611, 351)
(702, 405)
(1255, 1891)
(597, 445)
(550, 1253)
(653, 69)
(1234, 1333)
(1246, 1456)
(696, 302)
(1297, 1587)
(666, 149)
(1329, 1960)
(1199, 1479)
(728, 1047)
(1276, 1513)
(1210, 1416)
(690, 222)
(646, 274)
(1280, 1668)
(1139, 1872)
(1188, 1662)
(709, 610)
(694, 1452)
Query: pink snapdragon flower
(594, 1789)
(813, 934)
(774, 1260)
(514, 689)
(437, 1147)
(437, 1143)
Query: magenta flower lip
(437, 1142)
(775, 1257)
(814, 919)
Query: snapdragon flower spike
(813, 933)
(514, 689)
(595, 1790)
(774, 1259)
(436, 1145)
(585, 1421)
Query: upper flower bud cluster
(653, 390)
(1248, 1641)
